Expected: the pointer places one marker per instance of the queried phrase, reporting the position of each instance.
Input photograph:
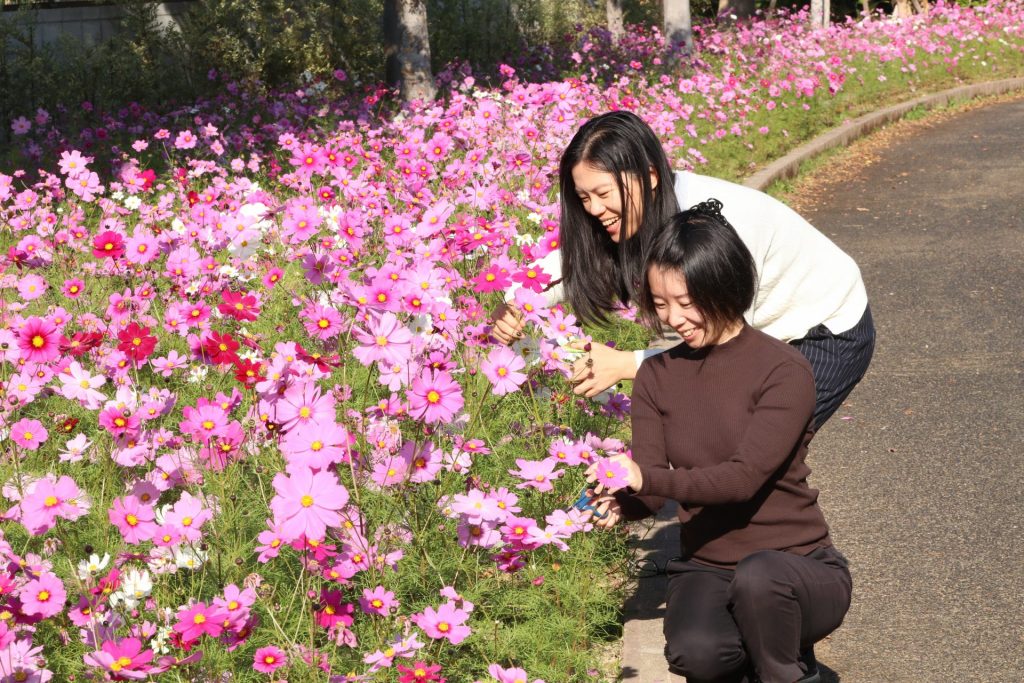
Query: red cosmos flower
(248, 372)
(136, 342)
(148, 178)
(239, 305)
(322, 362)
(221, 348)
(108, 244)
(81, 343)
(193, 197)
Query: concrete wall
(91, 24)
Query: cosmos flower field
(253, 425)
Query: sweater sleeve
(779, 420)
(648, 446)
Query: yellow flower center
(132, 520)
(43, 596)
(38, 341)
(307, 500)
(433, 396)
(50, 501)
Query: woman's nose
(595, 207)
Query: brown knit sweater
(724, 431)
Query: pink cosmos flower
(31, 287)
(536, 474)
(447, 622)
(122, 659)
(303, 406)
(78, 385)
(187, 516)
(197, 620)
(611, 474)
(502, 368)
(117, 423)
(47, 500)
(318, 447)
(321, 322)
(43, 596)
(511, 675)
(386, 340)
(477, 507)
(434, 397)
(133, 519)
(269, 659)
(73, 288)
(39, 340)
(29, 434)
(378, 600)
(307, 503)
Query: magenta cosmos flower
(268, 659)
(307, 503)
(39, 340)
(197, 620)
(434, 397)
(502, 368)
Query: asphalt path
(921, 471)
(923, 483)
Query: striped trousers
(839, 361)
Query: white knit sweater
(804, 279)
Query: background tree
(820, 11)
(735, 10)
(615, 14)
(407, 49)
(678, 27)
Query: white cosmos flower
(93, 566)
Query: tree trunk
(613, 10)
(735, 10)
(407, 49)
(819, 13)
(678, 30)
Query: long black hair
(595, 270)
(721, 275)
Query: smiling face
(675, 308)
(600, 196)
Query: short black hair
(721, 276)
(596, 270)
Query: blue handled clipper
(583, 504)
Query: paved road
(923, 483)
(924, 486)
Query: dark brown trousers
(751, 623)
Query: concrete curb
(789, 165)
(642, 659)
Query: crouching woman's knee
(699, 656)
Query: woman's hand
(608, 512)
(600, 368)
(507, 323)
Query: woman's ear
(654, 179)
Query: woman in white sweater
(618, 190)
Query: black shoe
(811, 666)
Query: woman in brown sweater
(721, 425)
